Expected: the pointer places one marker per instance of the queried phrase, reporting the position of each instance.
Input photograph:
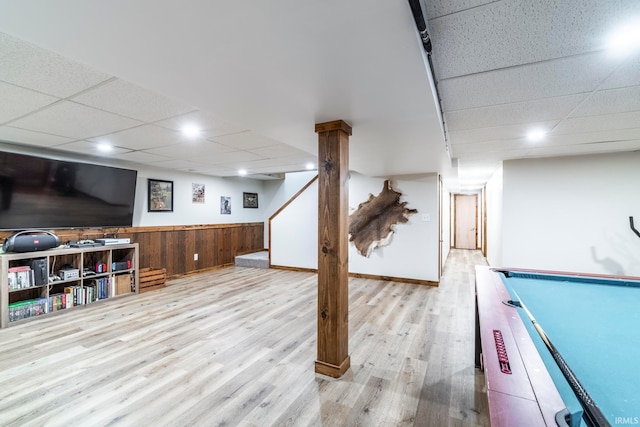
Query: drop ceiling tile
(17, 101)
(205, 148)
(213, 170)
(170, 152)
(489, 146)
(578, 149)
(439, 8)
(233, 158)
(511, 114)
(592, 137)
(548, 79)
(615, 146)
(519, 130)
(201, 149)
(74, 121)
(627, 75)
(610, 101)
(11, 134)
(599, 123)
(246, 141)
(210, 125)
(179, 164)
(139, 157)
(23, 64)
(270, 163)
(87, 147)
(509, 33)
(142, 137)
(276, 151)
(126, 99)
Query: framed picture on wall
(160, 195)
(225, 205)
(249, 200)
(197, 193)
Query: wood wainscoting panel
(173, 247)
(216, 245)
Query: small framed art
(160, 195)
(197, 193)
(225, 205)
(249, 200)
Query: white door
(466, 218)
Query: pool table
(590, 322)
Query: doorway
(466, 221)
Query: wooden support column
(333, 250)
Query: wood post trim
(333, 370)
(333, 250)
(334, 125)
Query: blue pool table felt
(595, 325)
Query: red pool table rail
(527, 395)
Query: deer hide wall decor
(371, 225)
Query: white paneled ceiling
(255, 78)
(507, 67)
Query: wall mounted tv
(43, 193)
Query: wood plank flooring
(236, 347)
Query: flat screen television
(44, 193)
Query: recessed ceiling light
(191, 131)
(625, 39)
(104, 147)
(310, 166)
(536, 135)
(242, 172)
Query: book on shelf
(21, 277)
(60, 301)
(99, 289)
(69, 299)
(69, 291)
(12, 280)
(103, 286)
(53, 303)
(28, 308)
(75, 294)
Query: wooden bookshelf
(90, 274)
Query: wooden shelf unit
(106, 264)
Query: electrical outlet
(426, 217)
(195, 257)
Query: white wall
(412, 252)
(278, 192)
(572, 213)
(187, 213)
(294, 232)
(493, 193)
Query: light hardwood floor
(237, 347)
